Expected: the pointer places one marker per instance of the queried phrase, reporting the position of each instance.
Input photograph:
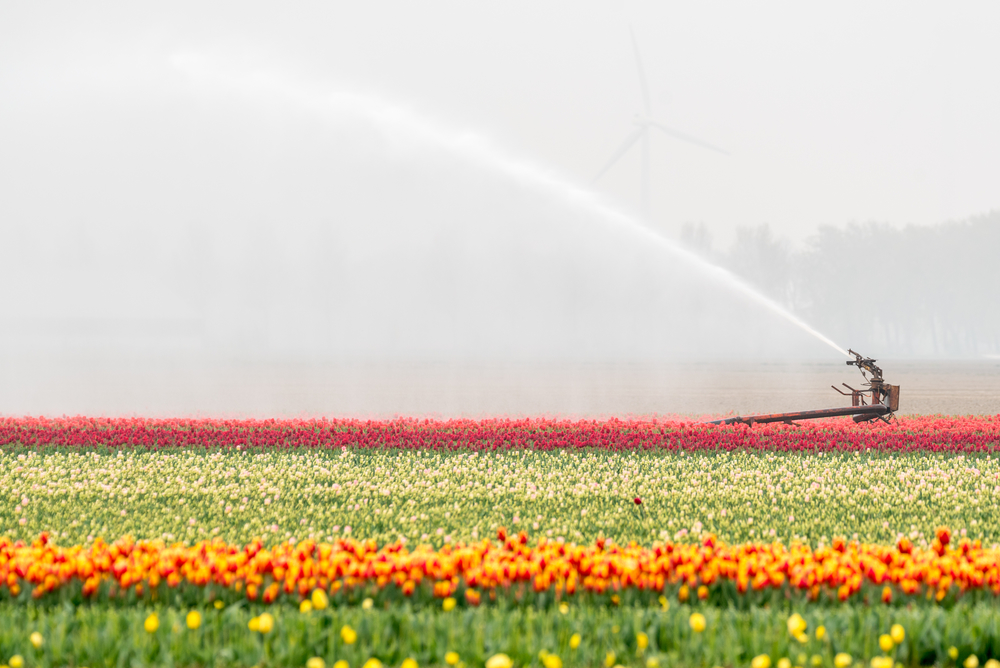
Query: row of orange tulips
(687, 570)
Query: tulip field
(499, 543)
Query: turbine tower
(644, 122)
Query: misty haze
(499, 335)
(200, 226)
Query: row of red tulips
(925, 433)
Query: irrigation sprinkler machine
(878, 401)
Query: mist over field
(498, 335)
(397, 186)
(923, 292)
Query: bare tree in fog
(764, 260)
(697, 238)
(921, 291)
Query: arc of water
(476, 149)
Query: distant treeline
(916, 290)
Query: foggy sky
(394, 181)
(854, 112)
(211, 208)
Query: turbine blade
(642, 74)
(685, 137)
(625, 146)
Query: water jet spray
(405, 127)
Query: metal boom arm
(879, 401)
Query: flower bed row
(349, 569)
(940, 434)
(441, 497)
(566, 636)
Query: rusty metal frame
(883, 398)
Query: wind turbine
(644, 122)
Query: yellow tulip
(367, 604)
(842, 660)
(992, 663)
(265, 623)
(193, 619)
(348, 635)
(761, 661)
(319, 599)
(305, 606)
(897, 633)
(609, 659)
(796, 624)
(820, 632)
(652, 662)
(17, 661)
(218, 604)
(885, 642)
(953, 652)
(151, 624)
(641, 640)
(552, 661)
(784, 662)
(697, 622)
(341, 664)
(881, 662)
(316, 662)
(495, 661)
(372, 663)
(971, 661)
(451, 658)
(574, 640)
(253, 624)
(409, 663)
(564, 608)
(448, 604)
(36, 640)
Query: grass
(110, 636)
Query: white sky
(856, 111)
